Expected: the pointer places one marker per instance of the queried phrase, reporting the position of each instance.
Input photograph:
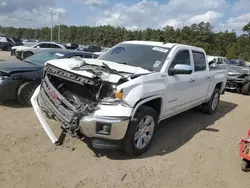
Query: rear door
(201, 76)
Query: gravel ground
(190, 150)
(6, 56)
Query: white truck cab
(217, 60)
(120, 97)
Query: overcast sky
(132, 14)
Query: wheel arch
(155, 102)
(219, 86)
(25, 81)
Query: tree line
(221, 43)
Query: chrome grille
(68, 75)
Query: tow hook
(61, 140)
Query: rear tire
(211, 106)
(140, 133)
(246, 89)
(25, 92)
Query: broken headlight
(5, 76)
(114, 98)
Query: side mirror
(180, 69)
(212, 63)
(38, 47)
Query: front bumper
(234, 83)
(8, 89)
(19, 54)
(88, 124)
(13, 52)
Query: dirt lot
(191, 150)
(5, 56)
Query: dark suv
(6, 43)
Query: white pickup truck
(119, 98)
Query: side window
(220, 61)
(3, 39)
(42, 45)
(182, 57)
(224, 60)
(53, 46)
(199, 61)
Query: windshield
(144, 56)
(40, 58)
(237, 63)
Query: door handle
(191, 80)
(208, 77)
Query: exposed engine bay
(72, 95)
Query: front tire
(25, 92)
(140, 132)
(246, 89)
(27, 54)
(211, 106)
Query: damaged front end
(85, 107)
(235, 81)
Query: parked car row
(19, 78)
(25, 51)
(238, 73)
(22, 52)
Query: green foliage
(201, 35)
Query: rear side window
(53, 46)
(3, 39)
(199, 61)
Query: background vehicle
(218, 60)
(90, 48)
(6, 43)
(18, 42)
(118, 99)
(238, 74)
(25, 51)
(18, 79)
(71, 46)
(237, 63)
(103, 50)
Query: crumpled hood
(237, 70)
(17, 66)
(69, 64)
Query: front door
(179, 88)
